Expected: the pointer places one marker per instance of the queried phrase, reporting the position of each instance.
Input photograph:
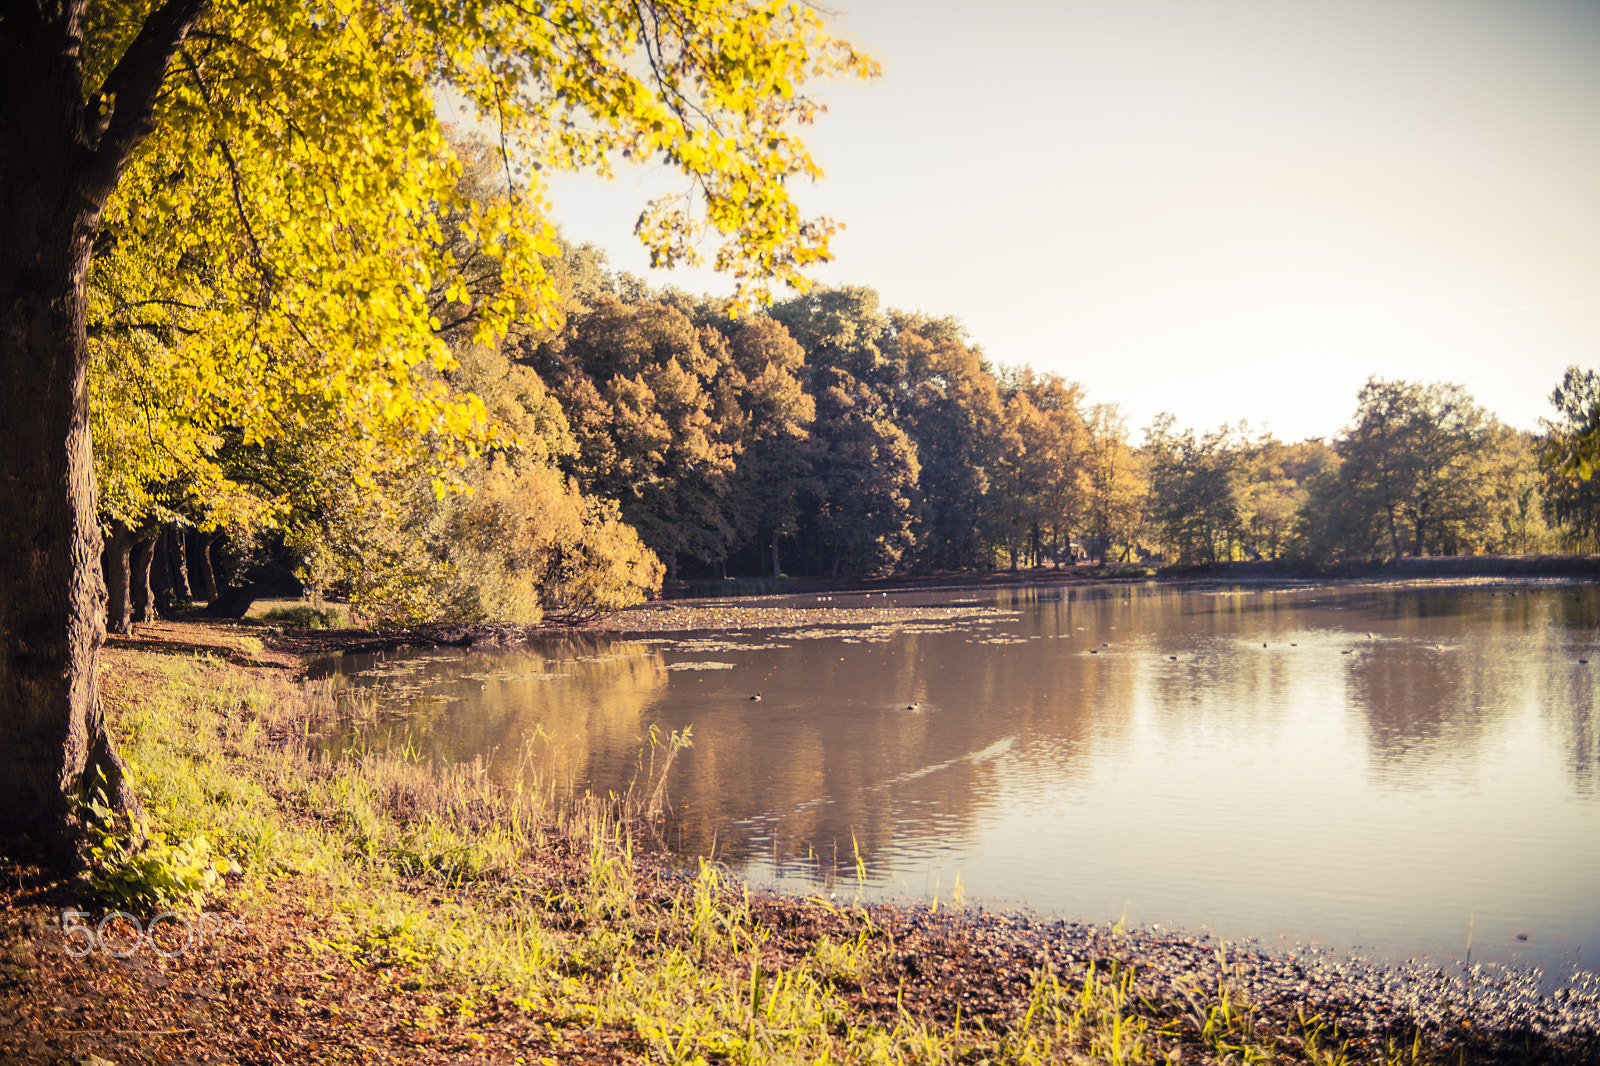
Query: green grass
(443, 876)
(305, 616)
(1122, 570)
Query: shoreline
(947, 969)
(676, 611)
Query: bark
(178, 542)
(235, 602)
(161, 574)
(117, 564)
(777, 568)
(54, 746)
(63, 147)
(140, 565)
(202, 563)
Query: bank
(377, 909)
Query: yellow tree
(288, 154)
(1117, 487)
(1048, 460)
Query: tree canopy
(281, 249)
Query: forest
(571, 464)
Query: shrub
(135, 869)
(304, 616)
(736, 586)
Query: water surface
(1386, 769)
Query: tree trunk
(178, 540)
(236, 602)
(202, 562)
(777, 568)
(54, 746)
(160, 574)
(144, 597)
(119, 579)
(60, 161)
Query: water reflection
(1382, 766)
(558, 715)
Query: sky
(1222, 209)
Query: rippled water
(1389, 769)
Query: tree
(1117, 487)
(1517, 500)
(773, 465)
(842, 329)
(867, 472)
(639, 389)
(1047, 461)
(1198, 488)
(1570, 453)
(1277, 490)
(295, 149)
(1415, 461)
(859, 504)
(952, 411)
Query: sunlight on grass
(434, 873)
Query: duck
(756, 698)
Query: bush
(1122, 571)
(736, 586)
(135, 869)
(528, 546)
(305, 616)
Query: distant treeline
(652, 435)
(825, 435)
(828, 436)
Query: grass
(1116, 571)
(305, 616)
(447, 881)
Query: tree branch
(122, 114)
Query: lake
(1388, 770)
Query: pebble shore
(984, 959)
(1501, 1008)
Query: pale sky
(1226, 209)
